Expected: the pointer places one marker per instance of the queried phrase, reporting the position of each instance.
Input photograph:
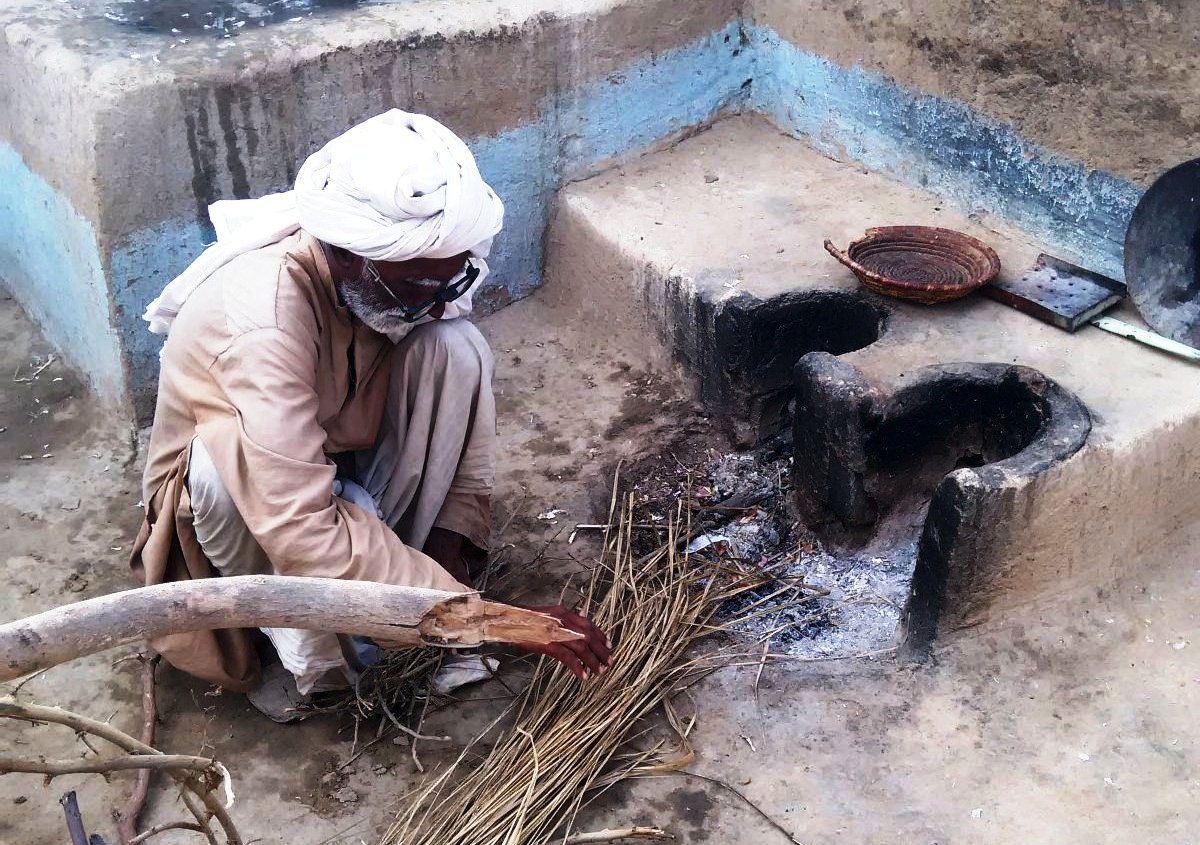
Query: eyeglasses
(448, 292)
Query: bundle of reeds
(571, 738)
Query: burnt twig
(74, 820)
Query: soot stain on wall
(215, 18)
(202, 151)
(237, 170)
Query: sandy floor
(1071, 724)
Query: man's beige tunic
(274, 376)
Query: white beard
(380, 321)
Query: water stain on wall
(218, 18)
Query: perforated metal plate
(1058, 292)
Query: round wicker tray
(919, 263)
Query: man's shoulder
(267, 288)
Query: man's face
(381, 290)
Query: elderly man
(323, 408)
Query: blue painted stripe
(139, 269)
(654, 99)
(947, 147)
(50, 261)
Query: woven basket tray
(919, 263)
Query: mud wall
(113, 142)
(1108, 83)
(164, 124)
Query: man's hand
(584, 657)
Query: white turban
(394, 187)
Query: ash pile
(813, 602)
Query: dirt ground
(1072, 723)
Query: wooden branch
(92, 766)
(468, 620)
(618, 833)
(194, 793)
(127, 816)
(199, 812)
(163, 828)
(402, 615)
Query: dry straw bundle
(571, 738)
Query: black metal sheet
(1058, 292)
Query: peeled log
(399, 615)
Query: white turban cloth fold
(395, 187)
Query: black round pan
(1162, 254)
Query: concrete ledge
(738, 214)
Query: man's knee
(456, 345)
(220, 529)
(210, 499)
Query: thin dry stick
(416, 735)
(19, 379)
(157, 762)
(763, 814)
(405, 728)
(758, 675)
(21, 683)
(495, 563)
(163, 828)
(127, 816)
(612, 835)
(363, 751)
(200, 812)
